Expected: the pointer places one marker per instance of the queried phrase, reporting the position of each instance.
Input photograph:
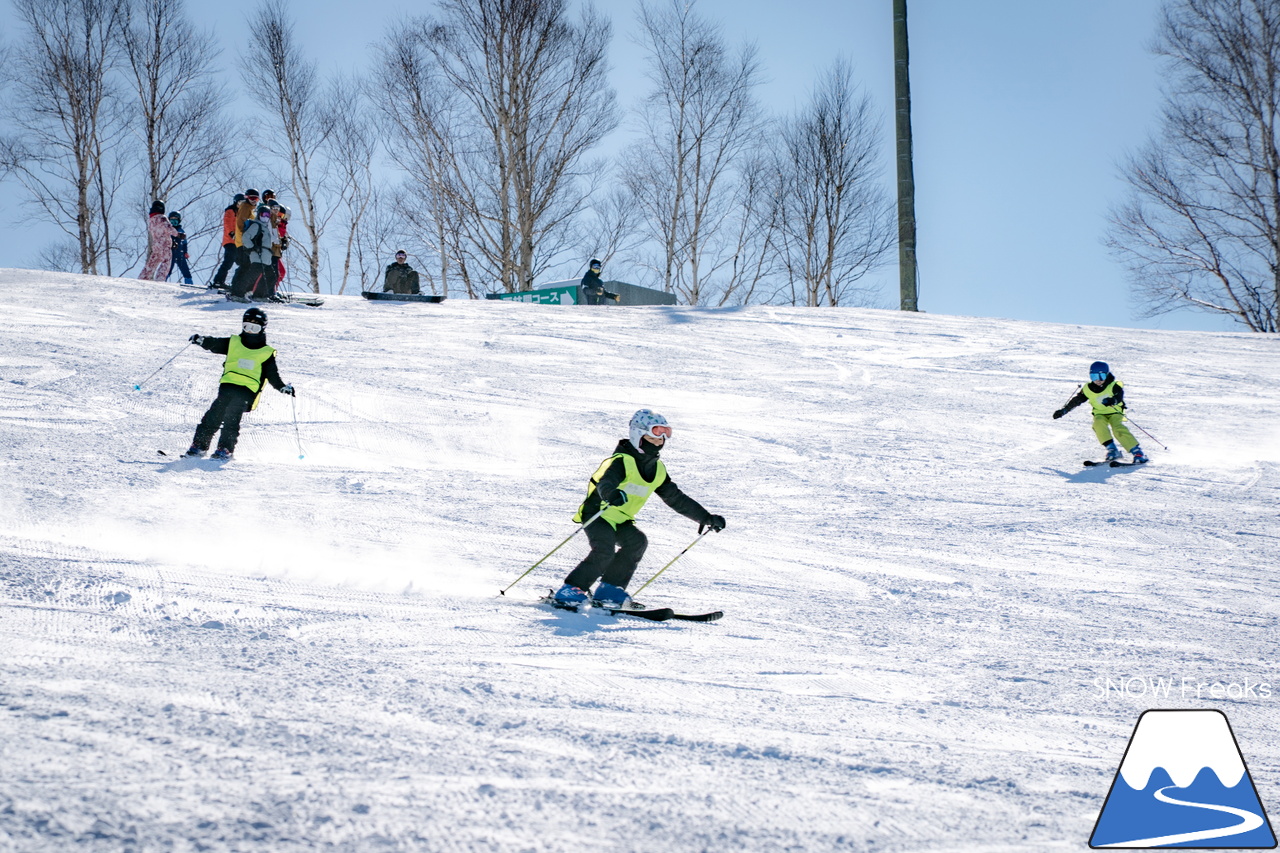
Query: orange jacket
(229, 225)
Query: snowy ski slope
(939, 628)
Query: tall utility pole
(908, 275)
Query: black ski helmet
(1099, 371)
(595, 262)
(255, 315)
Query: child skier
(249, 361)
(617, 490)
(179, 248)
(1105, 394)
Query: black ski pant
(256, 281)
(614, 555)
(224, 414)
(228, 258)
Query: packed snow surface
(940, 629)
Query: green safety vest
(636, 487)
(1095, 397)
(244, 366)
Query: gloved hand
(713, 522)
(197, 339)
(1058, 414)
(618, 498)
(1108, 401)
(288, 389)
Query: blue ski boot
(194, 450)
(612, 597)
(1113, 451)
(221, 454)
(1139, 457)
(569, 597)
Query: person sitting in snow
(1105, 394)
(617, 491)
(400, 277)
(249, 361)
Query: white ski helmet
(652, 424)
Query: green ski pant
(1104, 426)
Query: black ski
(1118, 464)
(1090, 463)
(698, 617)
(658, 614)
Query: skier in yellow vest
(1105, 395)
(249, 362)
(617, 490)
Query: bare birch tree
(834, 219)
(350, 147)
(1201, 228)
(179, 102)
(419, 113)
(68, 119)
(284, 82)
(699, 124)
(530, 100)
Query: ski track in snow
(920, 583)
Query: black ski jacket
(270, 372)
(1097, 387)
(647, 463)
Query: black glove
(288, 389)
(713, 522)
(619, 498)
(1059, 414)
(196, 339)
(1108, 401)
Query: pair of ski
(1114, 463)
(653, 614)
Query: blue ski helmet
(1099, 371)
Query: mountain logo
(1183, 783)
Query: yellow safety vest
(244, 366)
(1095, 397)
(635, 486)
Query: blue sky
(1022, 113)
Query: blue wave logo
(1183, 783)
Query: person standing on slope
(618, 490)
(249, 361)
(228, 242)
(1105, 394)
(593, 286)
(160, 236)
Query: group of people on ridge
(255, 233)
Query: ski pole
(296, 434)
(673, 559)
(1149, 435)
(580, 528)
(138, 386)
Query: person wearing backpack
(258, 276)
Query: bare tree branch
(1201, 226)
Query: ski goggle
(659, 431)
(251, 328)
(1097, 377)
(400, 256)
